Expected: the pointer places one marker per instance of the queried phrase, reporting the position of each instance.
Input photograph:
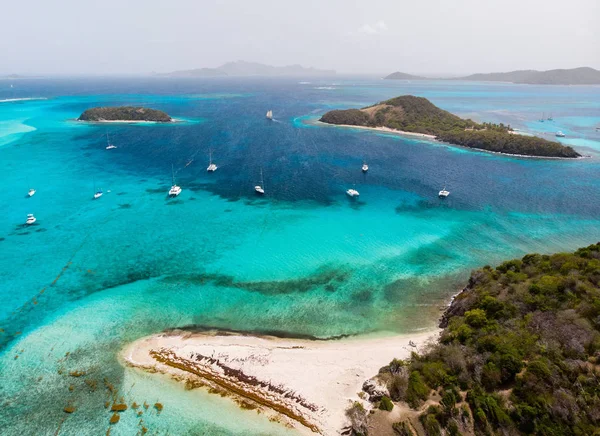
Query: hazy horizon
(433, 37)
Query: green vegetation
(512, 144)
(519, 353)
(125, 113)
(386, 404)
(418, 115)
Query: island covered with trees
(519, 354)
(418, 115)
(125, 113)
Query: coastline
(307, 384)
(173, 121)
(434, 138)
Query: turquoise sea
(93, 275)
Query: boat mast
(262, 182)
(210, 157)
(173, 175)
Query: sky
(431, 37)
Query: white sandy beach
(311, 382)
(383, 129)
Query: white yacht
(560, 134)
(269, 115)
(260, 188)
(211, 166)
(109, 146)
(443, 193)
(98, 194)
(365, 167)
(31, 192)
(175, 190)
(30, 219)
(352, 193)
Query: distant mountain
(573, 76)
(403, 76)
(243, 68)
(198, 72)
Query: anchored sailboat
(211, 166)
(443, 193)
(97, 193)
(175, 190)
(260, 188)
(31, 192)
(269, 114)
(109, 146)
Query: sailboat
(31, 192)
(365, 167)
(352, 193)
(269, 115)
(211, 166)
(109, 146)
(30, 219)
(550, 118)
(542, 119)
(443, 193)
(175, 190)
(260, 188)
(560, 134)
(97, 192)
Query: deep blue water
(91, 276)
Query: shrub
(476, 318)
(386, 404)
(358, 418)
(417, 390)
(402, 428)
(431, 425)
(397, 387)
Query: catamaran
(352, 193)
(175, 190)
(269, 114)
(550, 118)
(443, 193)
(365, 167)
(560, 134)
(30, 219)
(109, 146)
(260, 188)
(211, 166)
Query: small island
(125, 114)
(417, 115)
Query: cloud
(378, 27)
